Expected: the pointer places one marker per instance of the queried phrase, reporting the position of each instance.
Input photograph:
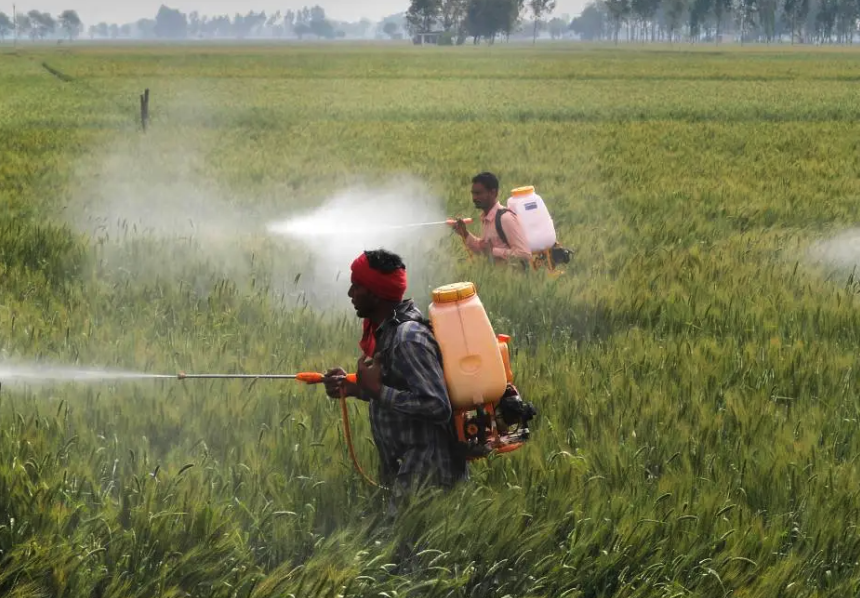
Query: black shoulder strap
(499, 213)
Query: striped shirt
(411, 421)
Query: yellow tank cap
(523, 191)
(457, 291)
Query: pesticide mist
(157, 208)
(841, 251)
(45, 374)
(401, 216)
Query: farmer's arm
(518, 246)
(473, 243)
(427, 396)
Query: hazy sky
(122, 11)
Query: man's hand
(369, 376)
(335, 381)
(460, 228)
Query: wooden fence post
(144, 108)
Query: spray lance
(307, 378)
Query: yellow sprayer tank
(471, 357)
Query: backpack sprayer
(489, 414)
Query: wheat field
(694, 367)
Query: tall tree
(767, 18)
(539, 9)
(745, 16)
(390, 29)
(452, 13)
(644, 11)
(25, 27)
(557, 27)
(617, 11)
(6, 26)
(591, 24)
(673, 12)
(71, 23)
(721, 9)
(699, 10)
(195, 25)
(422, 14)
(170, 23)
(42, 24)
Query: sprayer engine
(499, 427)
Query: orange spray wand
(306, 377)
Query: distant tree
(539, 9)
(25, 27)
(422, 15)
(486, 19)
(363, 27)
(592, 23)
(114, 31)
(170, 23)
(323, 29)
(390, 29)
(146, 28)
(846, 19)
(317, 13)
(825, 20)
(42, 24)
(125, 30)
(195, 25)
(71, 23)
(301, 26)
(6, 26)
(795, 13)
(102, 30)
(617, 11)
(248, 25)
(698, 15)
(452, 13)
(767, 18)
(721, 9)
(673, 13)
(557, 28)
(289, 21)
(514, 11)
(745, 16)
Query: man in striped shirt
(400, 376)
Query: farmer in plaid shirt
(400, 376)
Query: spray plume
(154, 213)
(35, 374)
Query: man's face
(363, 300)
(483, 198)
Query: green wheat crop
(694, 367)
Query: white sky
(124, 11)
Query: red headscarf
(389, 286)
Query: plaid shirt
(411, 421)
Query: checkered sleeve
(414, 355)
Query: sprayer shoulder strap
(499, 230)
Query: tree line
(170, 23)
(746, 21)
(458, 20)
